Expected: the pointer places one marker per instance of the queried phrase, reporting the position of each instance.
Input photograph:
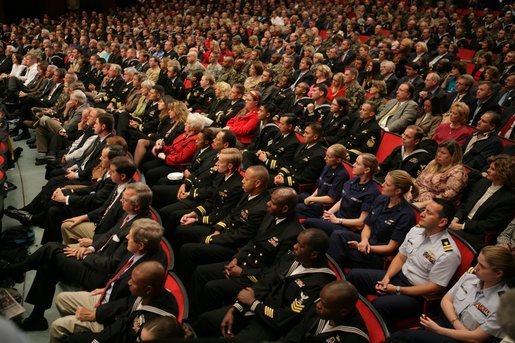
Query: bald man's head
(337, 300)
(147, 279)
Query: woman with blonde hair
(469, 307)
(221, 102)
(356, 199)
(329, 184)
(386, 226)
(322, 76)
(456, 127)
(444, 177)
(337, 87)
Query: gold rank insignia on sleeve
(253, 278)
(298, 304)
(202, 210)
(447, 245)
(371, 142)
(269, 312)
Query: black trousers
(52, 267)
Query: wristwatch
(398, 290)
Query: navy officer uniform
(329, 183)
(362, 137)
(219, 242)
(474, 306)
(282, 298)
(279, 153)
(355, 198)
(386, 223)
(428, 259)
(226, 194)
(273, 240)
(264, 138)
(307, 165)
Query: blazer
(106, 312)
(182, 149)
(281, 152)
(111, 246)
(93, 196)
(343, 62)
(489, 105)
(476, 157)
(405, 115)
(308, 78)
(494, 214)
(468, 98)
(306, 166)
(417, 83)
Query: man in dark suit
(495, 200)
(387, 70)
(485, 101)
(221, 241)
(483, 143)
(347, 56)
(6, 63)
(412, 77)
(462, 93)
(217, 284)
(89, 310)
(225, 193)
(303, 74)
(308, 161)
(432, 90)
(89, 265)
(441, 53)
(89, 220)
(507, 95)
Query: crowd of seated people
(254, 132)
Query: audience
(288, 82)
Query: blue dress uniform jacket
(200, 182)
(241, 224)
(281, 151)
(226, 196)
(362, 137)
(270, 244)
(306, 167)
(357, 198)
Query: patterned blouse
(446, 185)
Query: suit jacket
(509, 100)
(468, 98)
(226, 195)
(111, 246)
(106, 220)
(55, 95)
(87, 169)
(241, 224)
(476, 157)
(343, 62)
(106, 312)
(391, 84)
(6, 65)
(405, 115)
(222, 117)
(494, 214)
(417, 83)
(489, 105)
(270, 244)
(428, 124)
(93, 196)
(308, 78)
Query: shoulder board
(447, 245)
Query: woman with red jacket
(168, 157)
(244, 123)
